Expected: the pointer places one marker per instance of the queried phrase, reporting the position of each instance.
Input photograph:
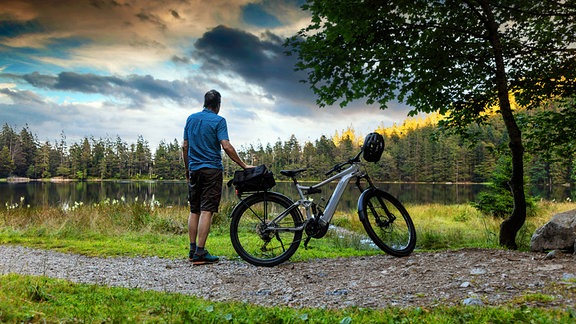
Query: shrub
(497, 200)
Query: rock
(551, 255)
(472, 301)
(558, 234)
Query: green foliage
(6, 163)
(550, 141)
(549, 129)
(497, 199)
(437, 55)
(460, 58)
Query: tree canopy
(457, 57)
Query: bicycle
(267, 227)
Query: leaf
(346, 320)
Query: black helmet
(373, 147)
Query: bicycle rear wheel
(387, 222)
(260, 239)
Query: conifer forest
(415, 151)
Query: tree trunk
(510, 227)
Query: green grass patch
(142, 229)
(146, 229)
(39, 299)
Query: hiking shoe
(205, 258)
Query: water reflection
(175, 193)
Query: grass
(40, 299)
(115, 228)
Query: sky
(130, 68)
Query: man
(204, 134)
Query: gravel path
(470, 276)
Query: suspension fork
(390, 217)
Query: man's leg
(211, 194)
(203, 228)
(193, 231)
(202, 256)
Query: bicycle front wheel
(264, 229)
(387, 222)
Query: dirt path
(472, 276)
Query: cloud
(24, 97)
(258, 60)
(134, 88)
(48, 119)
(256, 15)
(140, 67)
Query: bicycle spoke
(387, 223)
(264, 229)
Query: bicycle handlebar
(338, 167)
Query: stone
(472, 301)
(551, 255)
(558, 234)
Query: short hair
(212, 99)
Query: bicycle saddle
(291, 173)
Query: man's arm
(185, 158)
(231, 152)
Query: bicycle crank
(315, 230)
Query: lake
(174, 193)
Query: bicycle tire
(387, 222)
(248, 229)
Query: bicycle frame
(353, 171)
(267, 227)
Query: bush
(497, 200)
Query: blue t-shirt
(204, 130)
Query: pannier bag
(253, 179)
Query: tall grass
(457, 226)
(115, 227)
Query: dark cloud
(256, 15)
(38, 80)
(88, 83)
(136, 88)
(179, 59)
(261, 61)
(175, 90)
(9, 28)
(22, 96)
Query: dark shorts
(205, 190)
